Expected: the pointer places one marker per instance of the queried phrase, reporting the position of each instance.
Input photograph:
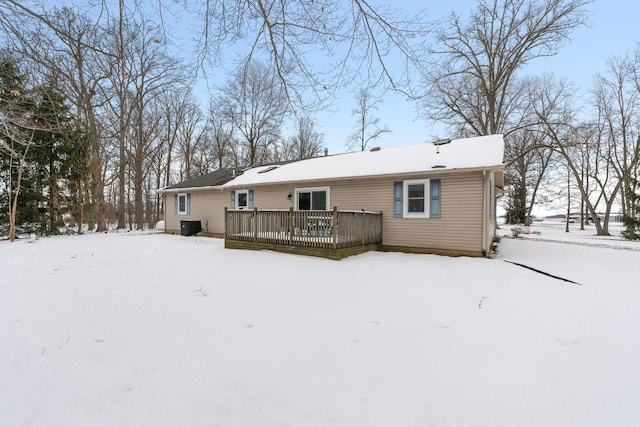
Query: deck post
(364, 227)
(334, 226)
(255, 224)
(225, 223)
(291, 227)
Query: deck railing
(332, 229)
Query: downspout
(484, 214)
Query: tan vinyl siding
(273, 196)
(458, 229)
(206, 207)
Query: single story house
(432, 198)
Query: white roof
(465, 153)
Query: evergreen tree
(58, 149)
(17, 207)
(43, 154)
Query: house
(431, 198)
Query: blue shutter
(434, 205)
(175, 204)
(397, 199)
(250, 199)
(188, 204)
(233, 200)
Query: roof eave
(188, 189)
(387, 175)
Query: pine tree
(58, 147)
(16, 205)
(42, 154)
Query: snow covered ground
(146, 329)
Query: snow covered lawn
(157, 330)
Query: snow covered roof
(465, 153)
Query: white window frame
(246, 193)
(405, 198)
(185, 211)
(310, 190)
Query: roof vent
(440, 142)
(269, 169)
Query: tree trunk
(54, 200)
(80, 214)
(13, 196)
(121, 123)
(138, 196)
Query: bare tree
(94, 46)
(307, 142)
(255, 102)
(191, 136)
(367, 126)
(586, 157)
(179, 134)
(527, 157)
(555, 111)
(117, 95)
(617, 97)
(360, 39)
(171, 106)
(139, 71)
(474, 85)
(220, 136)
(304, 144)
(205, 158)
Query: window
(416, 199)
(182, 204)
(242, 199)
(312, 199)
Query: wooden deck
(332, 234)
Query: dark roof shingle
(212, 179)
